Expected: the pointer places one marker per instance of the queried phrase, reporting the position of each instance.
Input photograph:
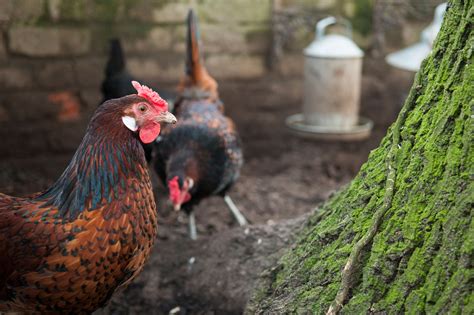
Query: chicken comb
(150, 95)
(174, 189)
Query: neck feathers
(98, 172)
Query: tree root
(350, 266)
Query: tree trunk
(400, 237)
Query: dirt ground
(283, 179)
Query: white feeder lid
(333, 46)
(429, 34)
(410, 58)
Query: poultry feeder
(332, 79)
(410, 58)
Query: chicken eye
(142, 108)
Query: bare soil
(283, 179)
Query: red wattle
(186, 198)
(149, 133)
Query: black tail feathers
(116, 62)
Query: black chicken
(117, 83)
(201, 156)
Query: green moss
(362, 20)
(109, 11)
(420, 260)
(101, 11)
(72, 10)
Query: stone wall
(378, 26)
(53, 53)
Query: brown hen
(69, 248)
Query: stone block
(91, 98)
(90, 71)
(236, 11)
(313, 4)
(27, 140)
(228, 38)
(172, 12)
(107, 11)
(27, 11)
(35, 139)
(141, 10)
(6, 8)
(29, 106)
(41, 42)
(235, 66)
(291, 65)
(223, 38)
(3, 49)
(157, 39)
(54, 9)
(322, 4)
(66, 136)
(4, 116)
(92, 10)
(156, 69)
(55, 74)
(15, 77)
(32, 107)
(68, 10)
(258, 39)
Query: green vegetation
(418, 257)
(362, 19)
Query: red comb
(150, 95)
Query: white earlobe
(130, 123)
(190, 182)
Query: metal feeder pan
(360, 131)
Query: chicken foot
(235, 211)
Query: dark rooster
(68, 249)
(117, 82)
(201, 156)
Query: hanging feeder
(410, 58)
(332, 80)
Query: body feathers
(69, 248)
(204, 146)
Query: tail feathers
(194, 66)
(116, 62)
(196, 73)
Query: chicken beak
(166, 117)
(177, 207)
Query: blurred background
(53, 55)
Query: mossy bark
(400, 237)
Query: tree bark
(400, 237)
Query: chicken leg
(192, 226)
(235, 211)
